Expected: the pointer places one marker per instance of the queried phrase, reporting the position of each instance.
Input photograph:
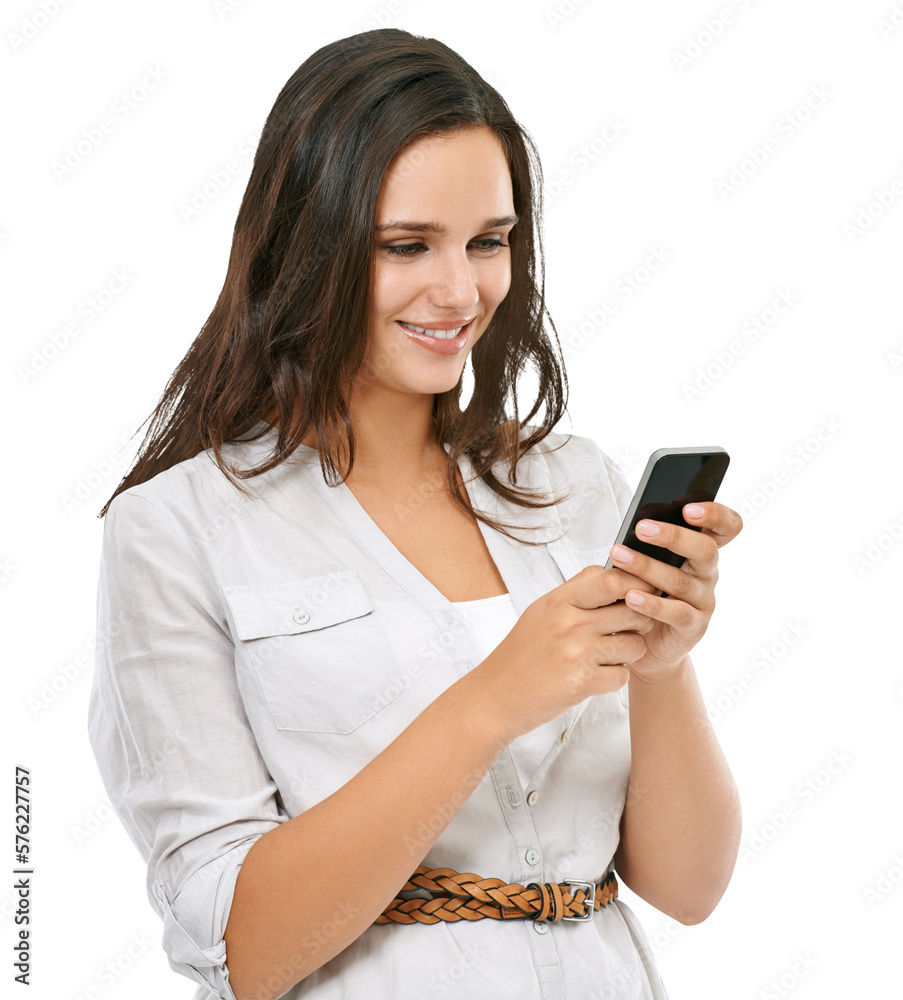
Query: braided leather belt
(468, 897)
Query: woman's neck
(394, 439)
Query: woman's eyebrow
(434, 227)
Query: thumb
(596, 587)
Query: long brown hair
(288, 332)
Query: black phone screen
(676, 480)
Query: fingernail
(635, 598)
(648, 528)
(622, 554)
(694, 510)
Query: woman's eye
(412, 249)
(405, 249)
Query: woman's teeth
(438, 334)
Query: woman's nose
(454, 284)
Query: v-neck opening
(378, 543)
(381, 548)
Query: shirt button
(540, 926)
(301, 617)
(531, 798)
(565, 736)
(532, 857)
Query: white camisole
(489, 620)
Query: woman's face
(441, 261)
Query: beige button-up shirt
(255, 654)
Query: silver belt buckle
(590, 900)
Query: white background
(809, 409)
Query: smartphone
(673, 477)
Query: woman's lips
(434, 344)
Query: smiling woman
(312, 698)
(410, 141)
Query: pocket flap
(299, 606)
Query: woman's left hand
(682, 617)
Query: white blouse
(253, 655)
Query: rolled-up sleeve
(168, 728)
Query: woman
(308, 690)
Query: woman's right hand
(572, 642)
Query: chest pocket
(323, 663)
